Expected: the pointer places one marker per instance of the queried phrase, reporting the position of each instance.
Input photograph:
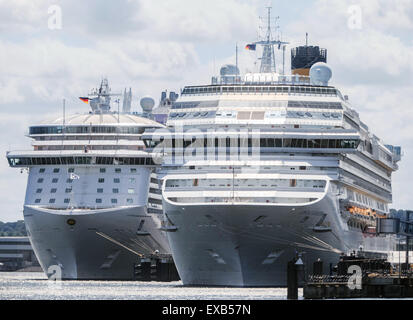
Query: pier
(361, 276)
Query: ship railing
(260, 94)
(245, 188)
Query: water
(33, 285)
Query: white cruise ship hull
(250, 245)
(102, 245)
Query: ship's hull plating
(103, 245)
(250, 245)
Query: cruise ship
(262, 168)
(86, 208)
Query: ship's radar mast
(268, 56)
(100, 98)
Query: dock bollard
(295, 268)
(318, 268)
(292, 281)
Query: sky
(152, 46)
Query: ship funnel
(304, 57)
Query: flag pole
(236, 55)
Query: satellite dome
(147, 104)
(229, 70)
(320, 74)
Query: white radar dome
(147, 104)
(320, 74)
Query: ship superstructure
(89, 179)
(262, 167)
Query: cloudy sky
(164, 44)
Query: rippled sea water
(33, 285)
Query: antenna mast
(64, 119)
(268, 55)
(64, 113)
(236, 55)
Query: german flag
(85, 100)
(252, 47)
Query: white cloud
(9, 92)
(22, 16)
(189, 21)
